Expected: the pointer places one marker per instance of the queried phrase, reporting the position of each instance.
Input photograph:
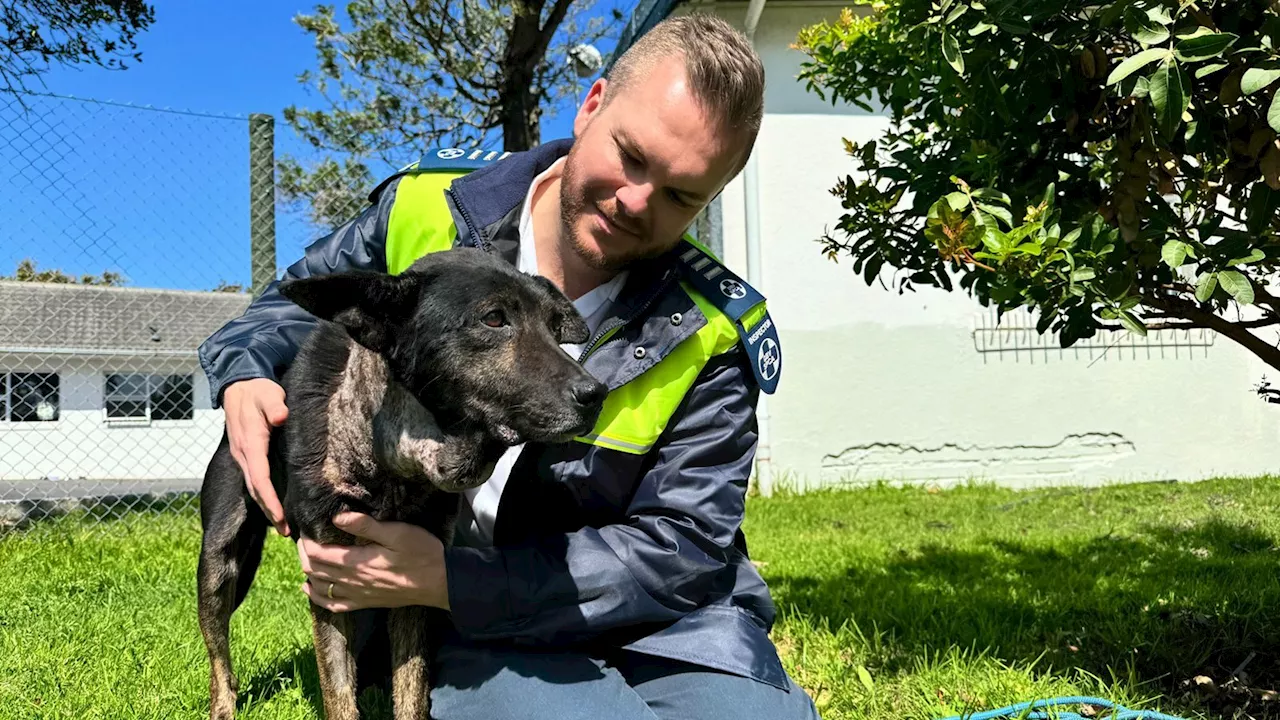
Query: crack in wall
(952, 462)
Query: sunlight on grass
(893, 603)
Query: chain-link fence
(127, 236)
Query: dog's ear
(568, 324)
(368, 304)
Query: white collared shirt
(475, 521)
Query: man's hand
(404, 565)
(251, 408)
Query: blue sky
(162, 197)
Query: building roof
(53, 316)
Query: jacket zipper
(610, 327)
(471, 227)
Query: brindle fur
(358, 438)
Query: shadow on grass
(300, 669)
(1165, 603)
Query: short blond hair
(724, 71)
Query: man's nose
(634, 199)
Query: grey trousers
(473, 682)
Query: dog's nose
(589, 392)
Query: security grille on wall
(1014, 338)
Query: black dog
(407, 393)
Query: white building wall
(877, 385)
(84, 445)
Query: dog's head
(474, 339)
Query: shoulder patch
(743, 304)
(456, 160)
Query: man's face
(642, 168)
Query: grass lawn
(895, 603)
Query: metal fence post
(262, 205)
(708, 230)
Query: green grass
(894, 603)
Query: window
(28, 397)
(135, 396)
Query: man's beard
(574, 207)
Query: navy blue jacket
(592, 547)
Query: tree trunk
(519, 109)
(520, 126)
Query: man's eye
(678, 200)
(495, 318)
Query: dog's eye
(494, 319)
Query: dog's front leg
(332, 633)
(411, 660)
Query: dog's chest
(383, 446)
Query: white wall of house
(877, 385)
(83, 444)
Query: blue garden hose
(1013, 712)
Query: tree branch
(1236, 331)
(548, 29)
(1249, 325)
(1261, 295)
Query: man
(606, 577)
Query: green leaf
(1159, 14)
(1018, 234)
(1132, 323)
(1083, 274)
(1203, 47)
(999, 212)
(1273, 113)
(1249, 259)
(1109, 313)
(1210, 69)
(1135, 63)
(951, 51)
(955, 13)
(1255, 79)
(1261, 208)
(957, 200)
(1071, 238)
(1192, 128)
(865, 678)
(1237, 285)
(980, 28)
(1112, 14)
(1014, 25)
(1200, 30)
(997, 94)
(1174, 253)
(995, 240)
(992, 195)
(1144, 29)
(1205, 287)
(1169, 85)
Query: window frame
(153, 381)
(6, 398)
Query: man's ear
(568, 324)
(368, 304)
